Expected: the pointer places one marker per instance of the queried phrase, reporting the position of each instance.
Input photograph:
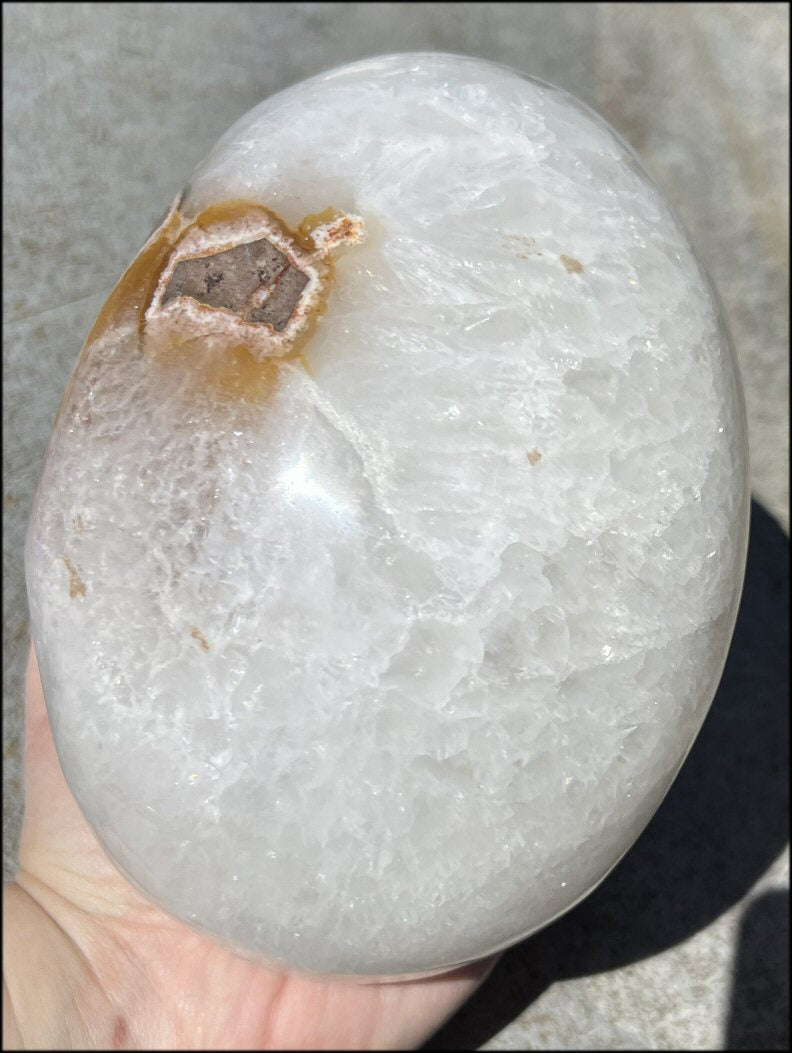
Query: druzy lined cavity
(254, 281)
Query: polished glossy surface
(377, 654)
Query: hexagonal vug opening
(255, 280)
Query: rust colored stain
(134, 291)
(572, 265)
(233, 371)
(76, 584)
(199, 638)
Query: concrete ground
(107, 108)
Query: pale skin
(91, 964)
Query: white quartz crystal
(382, 663)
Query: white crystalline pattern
(385, 672)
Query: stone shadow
(724, 821)
(759, 1006)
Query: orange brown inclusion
(236, 373)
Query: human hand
(91, 964)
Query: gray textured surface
(107, 109)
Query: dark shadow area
(759, 1010)
(724, 821)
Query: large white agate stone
(373, 629)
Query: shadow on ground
(759, 1009)
(722, 824)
